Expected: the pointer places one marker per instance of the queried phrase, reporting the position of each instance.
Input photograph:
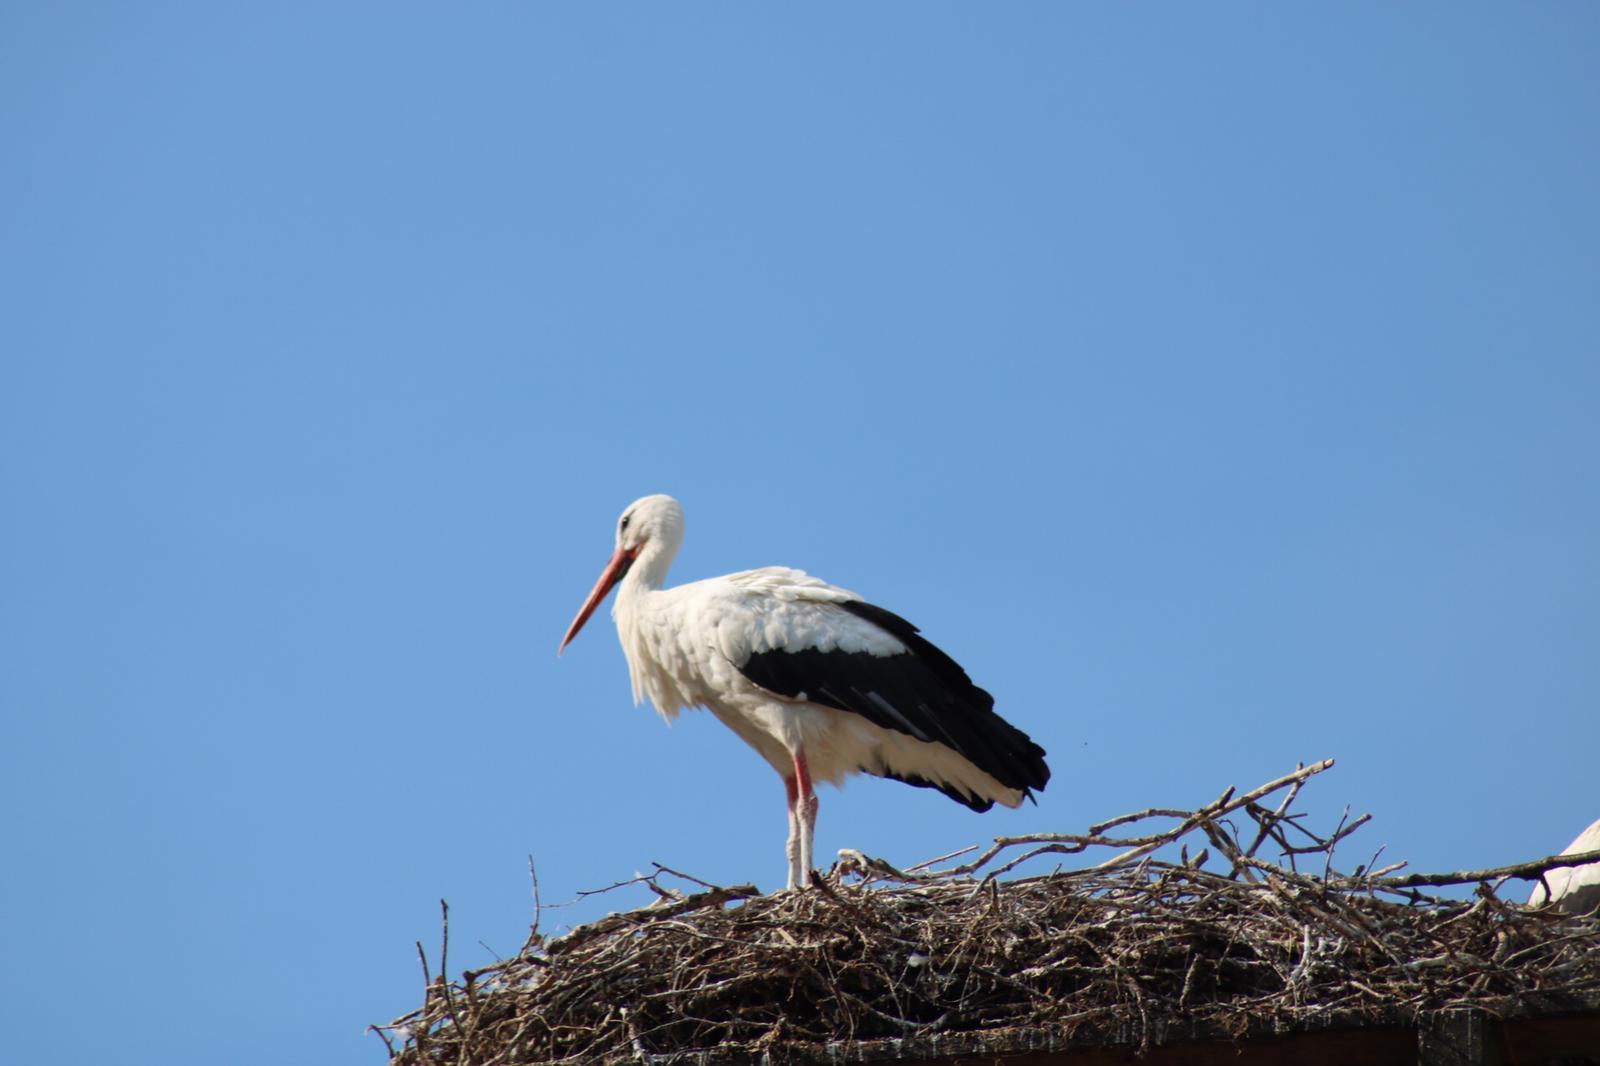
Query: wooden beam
(1444, 1038)
(1385, 1046)
(1537, 1040)
(1456, 1038)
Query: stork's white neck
(651, 528)
(649, 569)
(640, 624)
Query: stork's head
(652, 520)
(649, 532)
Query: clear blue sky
(1219, 385)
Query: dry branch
(1526, 871)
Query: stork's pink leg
(803, 806)
(792, 787)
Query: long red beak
(613, 572)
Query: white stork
(819, 682)
(1573, 889)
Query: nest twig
(1133, 949)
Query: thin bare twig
(1525, 871)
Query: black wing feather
(921, 692)
(977, 803)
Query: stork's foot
(806, 879)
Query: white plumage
(1574, 889)
(817, 681)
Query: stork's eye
(625, 520)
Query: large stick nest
(873, 962)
